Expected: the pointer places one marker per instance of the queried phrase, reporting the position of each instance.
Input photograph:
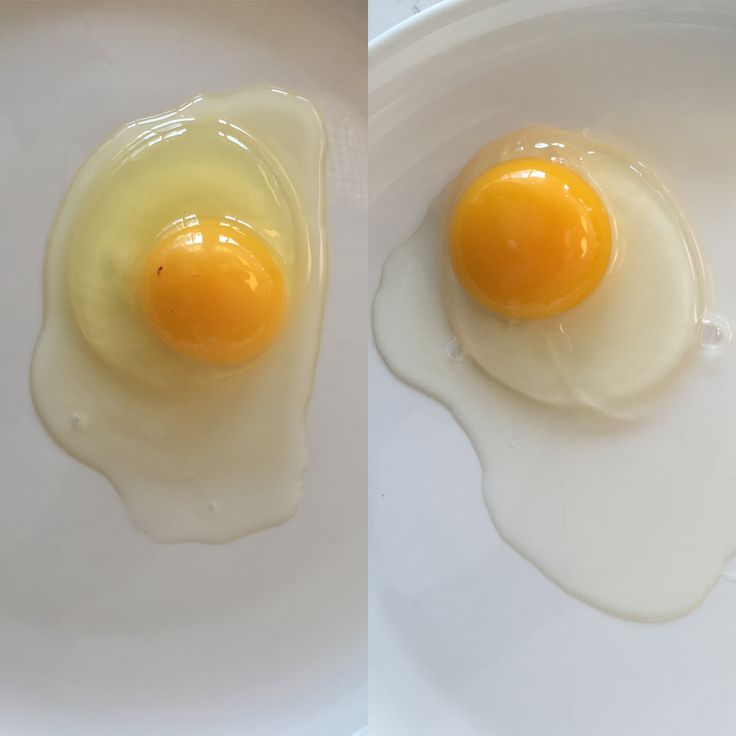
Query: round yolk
(213, 293)
(529, 239)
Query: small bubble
(518, 147)
(455, 349)
(562, 161)
(710, 334)
(714, 332)
(212, 506)
(76, 420)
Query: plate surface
(466, 636)
(101, 630)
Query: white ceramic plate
(101, 630)
(466, 636)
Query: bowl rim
(437, 18)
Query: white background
(101, 630)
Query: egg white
(195, 454)
(635, 516)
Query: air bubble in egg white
(455, 350)
(714, 332)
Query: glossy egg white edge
(637, 517)
(190, 466)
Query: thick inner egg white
(184, 287)
(632, 328)
(171, 174)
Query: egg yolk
(529, 239)
(213, 292)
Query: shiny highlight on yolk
(213, 292)
(529, 239)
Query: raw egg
(555, 299)
(184, 285)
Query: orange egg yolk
(529, 239)
(212, 292)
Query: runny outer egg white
(184, 286)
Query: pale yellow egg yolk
(529, 239)
(213, 293)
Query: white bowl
(466, 636)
